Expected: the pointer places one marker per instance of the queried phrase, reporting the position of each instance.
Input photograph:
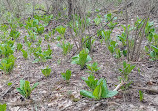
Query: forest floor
(54, 94)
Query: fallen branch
(119, 86)
(94, 107)
(151, 90)
(21, 103)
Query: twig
(94, 107)
(9, 89)
(136, 38)
(119, 86)
(24, 103)
(146, 89)
(126, 31)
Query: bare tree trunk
(126, 31)
(70, 9)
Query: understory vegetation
(66, 50)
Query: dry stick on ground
(10, 89)
(151, 90)
(119, 86)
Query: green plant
(66, 47)
(6, 49)
(93, 68)
(25, 54)
(32, 35)
(40, 29)
(109, 17)
(154, 52)
(46, 71)
(105, 34)
(89, 42)
(61, 30)
(25, 90)
(14, 33)
(19, 46)
(100, 91)
(9, 83)
(127, 68)
(42, 55)
(91, 82)
(82, 58)
(141, 95)
(112, 46)
(3, 107)
(97, 20)
(46, 37)
(7, 64)
(66, 76)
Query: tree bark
(70, 8)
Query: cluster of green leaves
(89, 42)
(98, 88)
(6, 48)
(42, 55)
(66, 47)
(154, 52)
(91, 82)
(82, 58)
(25, 54)
(3, 107)
(79, 25)
(106, 36)
(45, 18)
(61, 30)
(32, 35)
(46, 71)
(141, 97)
(7, 64)
(126, 70)
(25, 89)
(93, 68)
(47, 36)
(151, 47)
(19, 46)
(109, 17)
(33, 24)
(14, 33)
(97, 20)
(66, 76)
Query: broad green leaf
(21, 91)
(3, 107)
(111, 94)
(34, 86)
(27, 89)
(46, 71)
(86, 94)
(154, 48)
(105, 90)
(97, 93)
(67, 75)
(22, 82)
